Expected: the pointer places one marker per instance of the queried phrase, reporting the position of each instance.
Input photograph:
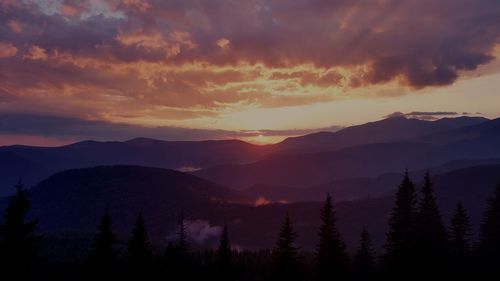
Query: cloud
(171, 45)
(36, 53)
(172, 60)
(7, 50)
(70, 10)
(15, 26)
(432, 113)
(292, 132)
(223, 43)
(426, 115)
(142, 5)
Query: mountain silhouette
(317, 158)
(76, 199)
(470, 143)
(36, 163)
(386, 130)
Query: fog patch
(188, 169)
(198, 232)
(262, 201)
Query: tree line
(418, 245)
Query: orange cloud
(36, 53)
(7, 50)
(70, 10)
(154, 40)
(151, 92)
(171, 45)
(223, 43)
(142, 5)
(15, 26)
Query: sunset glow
(242, 66)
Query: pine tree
(460, 232)
(489, 246)
(364, 260)
(19, 243)
(285, 253)
(331, 257)
(140, 255)
(176, 254)
(430, 232)
(102, 253)
(224, 255)
(460, 244)
(399, 243)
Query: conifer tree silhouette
(102, 253)
(460, 231)
(460, 243)
(224, 257)
(331, 257)
(399, 244)
(140, 256)
(364, 260)
(430, 233)
(176, 254)
(489, 244)
(19, 243)
(285, 253)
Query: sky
(257, 70)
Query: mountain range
(34, 164)
(249, 187)
(474, 142)
(314, 155)
(386, 130)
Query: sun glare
(262, 139)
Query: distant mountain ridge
(389, 129)
(473, 143)
(36, 163)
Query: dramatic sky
(257, 70)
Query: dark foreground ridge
(419, 243)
